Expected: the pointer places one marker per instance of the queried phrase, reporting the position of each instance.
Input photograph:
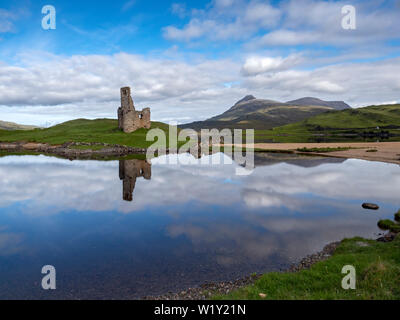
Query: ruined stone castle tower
(129, 119)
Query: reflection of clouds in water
(278, 211)
(50, 185)
(259, 236)
(232, 243)
(353, 179)
(10, 242)
(255, 199)
(301, 235)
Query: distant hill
(4, 125)
(250, 112)
(340, 124)
(383, 116)
(309, 101)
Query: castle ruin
(129, 119)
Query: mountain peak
(246, 98)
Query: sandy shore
(385, 151)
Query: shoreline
(388, 152)
(73, 150)
(207, 290)
(213, 290)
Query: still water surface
(126, 229)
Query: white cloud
(288, 37)
(289, 23)
(94, 77)
(262, 14)
(256, 65)
(351, 82)
(6, 21)
(179, 9)
(36, 91)
(225, 19)
(319, 22)
(128, 5)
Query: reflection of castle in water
(129, 170)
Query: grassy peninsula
(83, 130)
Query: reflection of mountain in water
(270, 158)
(267, 159)
(129, 170)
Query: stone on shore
(370, 206)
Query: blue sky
(189, 60)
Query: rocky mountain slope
(251, 112)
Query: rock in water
(371, 206)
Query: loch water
(126, 229)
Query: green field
(82, 130)
(377, 267)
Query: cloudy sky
(189, 60)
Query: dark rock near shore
(387, 237)
(370, 206)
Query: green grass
(385, 224)
(368, 117)
(377, 272)
(18, 153)
(323, 150)
(82, 130)
(337, 126)
(391, 225)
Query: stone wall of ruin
(130, 120)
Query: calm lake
(127, 229)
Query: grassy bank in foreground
(82, 130)
(377, 266)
